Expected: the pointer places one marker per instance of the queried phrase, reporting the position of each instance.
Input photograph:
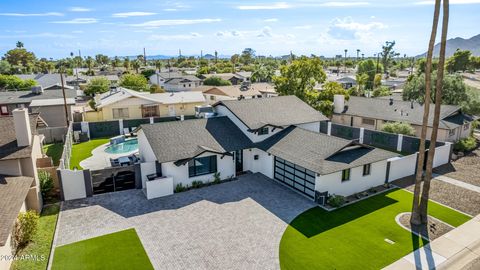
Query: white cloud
(78, 21)
(348, 29)
(158, 23)
(278, 5)
(344, 4)
(452, 2)
(271, 20)
(38, 35)
(77, 32)
(174, 37)
(307, 26)
(132, 14)
(32, 14)
(80, 9)
(265, 32)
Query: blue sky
(56, 28)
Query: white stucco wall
(313, 126)
(402, 167)
(357, 183)
(144, 149)
(147, 168)
(222, 110)
(442, 155)
(73, 184)
(264, 163)
(225, 165)
(159, 187)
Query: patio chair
(126, 132)
(133, 134)
(114, 162)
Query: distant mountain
(472, 44)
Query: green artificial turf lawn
(42, 241)
(81, 151)
(353, 237)
(120, 250)
(54, 151)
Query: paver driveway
(234, 225)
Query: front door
(239, 161)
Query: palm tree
(436, 115)
(416, 215)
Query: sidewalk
(457, 249)
(456, 182)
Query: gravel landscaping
(431, 231)
(464, 169)
(453, 196)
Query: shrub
(381, 91)
(92, 104)
(46, 182)
(399, 128)
(216, 81)
(180, 188)
(25, 228)
(336, 200)
(216, 178)
(465, 144)
(97, 86)
(197, 184)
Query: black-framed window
(366, 169)
(202, 166)
(263, 131)
(346, 175)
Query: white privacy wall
(225, 165)
(442, 155)
(264, 163)
(223, 111)
(144, 149)
(73, 184)
(313, 126)
(147, 168)
(402, 167)
(357, 183)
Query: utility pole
(358, 51)
(378, 60)
(345, 62)
(64, 98)
(363, 56)
(144, 57)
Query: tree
(454, 89)
(262, 73)
(399, 128)
(460, 61)
(388, 54)
(136, 64)
(323, 100)
(156, 89)
(46, 182)
(300, 77)
(126, 63)
(19, 44)
(134, 81)
(5, 67)
(116, 62)
(422, 63)
(381, 91)
(216, 81)
(368, 67)
(472, 104)
(12, 82)
(21, 58)
(102, 60)
(148, 72)
(97, 85)
(377, 81)
(248, 55)
(362, 80)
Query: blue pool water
(125, 147)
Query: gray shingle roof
(277, 111)
(400, 111)
(320, 153)
(8, 139)
(13, 97)
(173, 141)
(13, 191)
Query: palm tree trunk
(415, 217)
(436, 116)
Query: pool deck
(101, 159)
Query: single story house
(54, 82)
(184, 83)
(159, 78)
(373, 113)
(122, 103)
(347, 82)
(20, 147)
(214, 94)
(246, 75)
(234, 78)
(54, 115)
(278, 137)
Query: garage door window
(295, 176)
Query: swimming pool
(125, 147)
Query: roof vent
(391, 101)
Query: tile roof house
(20, 147)
(279, 137)
(233, 92)
(123, 103)
(373, 113)
(47, 103)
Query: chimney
(338, 103)
(391, 101)
(21, 122)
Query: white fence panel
(73, 184)
(402, 167)
(442, 155)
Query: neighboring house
(245, 91)
(54, 82)
(54, 115)
(278, 137)
(347, 82)
(394, 83)
(20, 147)
(234, 78)
(184, 83)
(246, 75)
(122, 103)
(159, 78)
(373, 113)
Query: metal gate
(295, 176)
(113, 179)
